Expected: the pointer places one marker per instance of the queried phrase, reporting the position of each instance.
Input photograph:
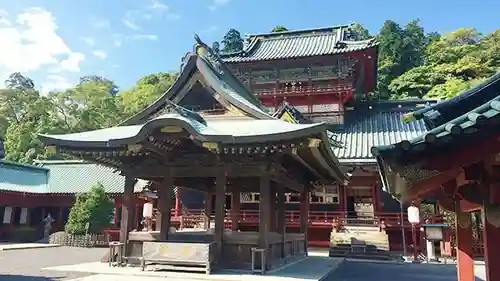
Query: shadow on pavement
(8, 277)
(366, 271)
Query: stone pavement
(313, 268)
(22, 246)
(370, 271)
(27, 264)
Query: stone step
(369, 254)
(361, 229)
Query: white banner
(24, 216)
(7, 215)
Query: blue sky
(57, 41)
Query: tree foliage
(94, 103)
(232, 42)
(279, 28)
(93, 208)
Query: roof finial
(184, 112)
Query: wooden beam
(281, 227)
(235, 208)
(127, 211)
(304, 213)
(196, 171)
(208, 210)
(264, 211)
(220, 201)
(284, 179)
(165, 196)
(465, 157)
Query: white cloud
(217, 3)
(151, 37)
(102, 24)
(130, 24)
(32, 42)
(3, 18)
(100, 54)
(55, 82)
(156, 4)
(89, 40)
(72, 63)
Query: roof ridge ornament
(206, 52)
(184, 112)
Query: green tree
(391, 47)
(94, 208)
(279, 28)
(147, 89)
(25, 113)
(232, 42)
(358, 32)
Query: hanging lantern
(147, 210)
(413, 215)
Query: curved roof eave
(120, 136)
(176, 86)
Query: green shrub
(94, 208)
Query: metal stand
(115, 253)
(262, 268)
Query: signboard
(176, 252)
(434, 233)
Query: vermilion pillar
(491, 241)
(465, 265)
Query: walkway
(368, 271)
(312, 268)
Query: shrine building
(454, 163)
(209, 133)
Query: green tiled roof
(55, 177)
(367, 124)
(78, 176)
(225, 131)
(373, 124)
(22, 178)
(399, 162)
(296, 44)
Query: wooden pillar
(165, 193)
(376, 198)
(465, 264)
(345, 193)
(127, 210)
(304, 214)
(235, 209)
(220, 201)
(264, 211)
(208, 210)
(136, 215)
(274, 211)
(491, 240)
(177, 202)
(281, 226)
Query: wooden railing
(330, 218)
(311, 90)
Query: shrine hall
(227, 144)
(456, 163)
